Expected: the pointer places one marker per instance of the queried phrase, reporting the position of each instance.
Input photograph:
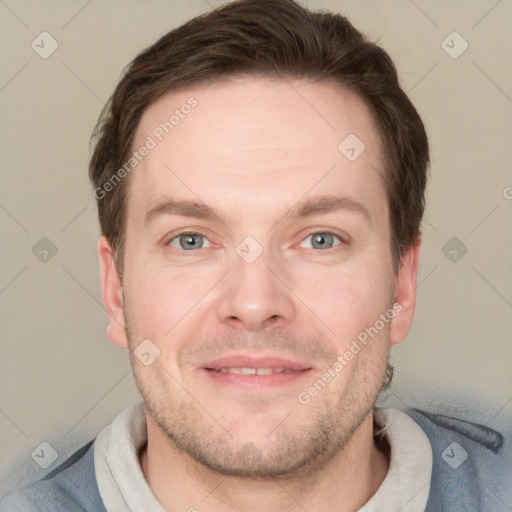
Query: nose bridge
(253, 296)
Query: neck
(345, 483)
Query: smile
(253, 371)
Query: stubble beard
(289, 452)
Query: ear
(112, 292)
(405, 293)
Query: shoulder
(471, 467)
(69, 487)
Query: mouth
(252, 371)
(255, 372)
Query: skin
(252, 149)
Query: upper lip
(255, 361)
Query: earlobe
(112, 293)
(405, 293)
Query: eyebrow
(313, 206)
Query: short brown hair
(274, 38)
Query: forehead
(251, 140)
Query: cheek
(154, 304)
(346, 301)
(163, 303)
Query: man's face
(263, 284)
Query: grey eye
(322, 240)
(189, 241)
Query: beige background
(61, 381)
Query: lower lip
(273, 380)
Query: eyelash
(342, 240)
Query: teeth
(252, 371)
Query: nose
(254, 296)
